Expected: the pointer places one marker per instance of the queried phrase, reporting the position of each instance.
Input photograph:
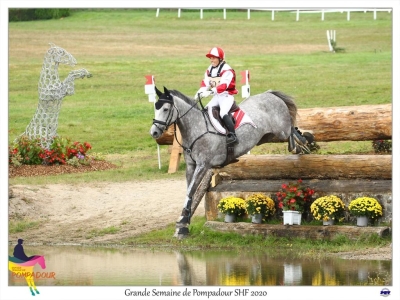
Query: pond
(102, 266)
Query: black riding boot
(231, 137)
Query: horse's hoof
(309, 137)
(181, 233)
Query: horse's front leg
(182, 229)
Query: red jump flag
(245, 77)
(149, 79)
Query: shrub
(365, 206)
(382, 146)
(30, 152)
(294, 196)
(232, 205)
(328, 207)
(260, 204)
(31, 14)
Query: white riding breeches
(224, 101)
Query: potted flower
(365, 208)
(292, 199)
(259, 206)
(328, 209)
(232, 207)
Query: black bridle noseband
(167, 121)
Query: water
(86, 266)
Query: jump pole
(246, 87)
(245, 80)
(149, 89)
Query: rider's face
(214, 61)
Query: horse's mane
(185, 98)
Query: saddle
(215, 112)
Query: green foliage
(232, 205)
(21, 226)
(382, 146)
(294, 196)
(30, 152)
(328, 207)
(365, 206)
(31, 14)
(260, 204)
(202, 237)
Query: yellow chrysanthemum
(328, 207)
(260, 203)
(365, 206)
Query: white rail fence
(297, 12)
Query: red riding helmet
(216, 52)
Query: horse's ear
(167, 93)
(159, 94)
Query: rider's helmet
(216, 52)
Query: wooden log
(351, 123)
(302, 231)
(310, 166)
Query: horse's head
(41, 262)
(165, 113)
(59, 55)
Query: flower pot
(256, 218)
(230, 218)
(328, 222)
(362, 221)
(291, 217)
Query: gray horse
(273, 113)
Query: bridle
(169, 122)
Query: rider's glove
(206, 94)
(197, 95)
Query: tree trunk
(309, 166)
(351, 123)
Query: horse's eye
(165, 109)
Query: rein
(167, 123)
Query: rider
(19, 251)
(220, 81)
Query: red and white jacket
(219, 79)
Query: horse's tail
(289, 103)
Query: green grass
(206, 239)
(21, 226)
(120, 46)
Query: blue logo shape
(385, 292)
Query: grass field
(119, 47)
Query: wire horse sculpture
(52, 90)
(273, 112)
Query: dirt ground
(106, 213)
